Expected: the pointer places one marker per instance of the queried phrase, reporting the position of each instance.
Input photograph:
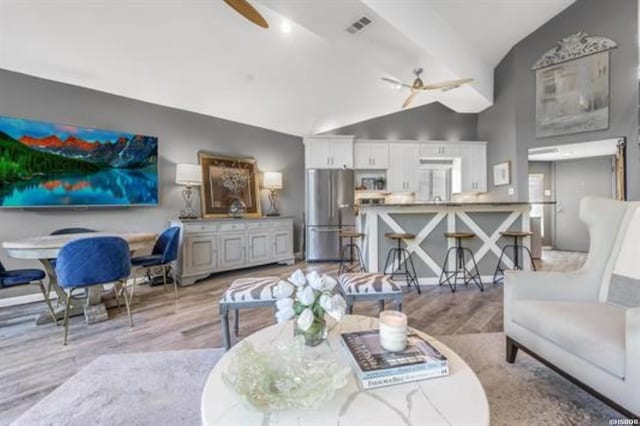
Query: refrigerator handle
(331, 195)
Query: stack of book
(374, 367)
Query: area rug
(155, 388)
(164, 388)
(527, 392)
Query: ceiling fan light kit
(418, 86)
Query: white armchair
(586, 324)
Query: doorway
(567, 174)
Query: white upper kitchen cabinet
(473, 170)
(439, 150)
(371, 156)
(328, 152)
(404, 160)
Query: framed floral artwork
(229, 186)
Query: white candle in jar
(393, 331)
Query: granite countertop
(459, 204)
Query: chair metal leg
(414, 275)
(475, 276)
(386, 262)
(47, 301)
(127, 303)
(446, 275)
(175, 280)
(116, 294)
(499, 269)
(164, 278)
(66, 316)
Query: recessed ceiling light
(567, 154)
(285, 26)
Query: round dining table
(457, 399)
(46, 248)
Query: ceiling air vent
(359, 25)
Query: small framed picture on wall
(502, 174)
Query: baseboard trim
(511, 344)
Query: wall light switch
(547, 193)
(512, 191)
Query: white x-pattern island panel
(429, 222)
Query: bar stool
(405, 267)
(351, 253)
(462, 254)
(517, 246)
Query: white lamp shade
(272, 180)
(188, 174)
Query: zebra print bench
(245, 293)
(369, 286)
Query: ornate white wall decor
(572, 47)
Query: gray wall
(428, 122)
(616, 19)
(181, 135)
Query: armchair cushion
(592, 331)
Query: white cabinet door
(480, 167)
(341, 154)
(362, 156)
(318, 154)
(440, 150)
(379, 153)
(371, 156)
(232, 250)
(403, 167)
(259, 243)
(282, 239)
(474, 168)
(200, 254)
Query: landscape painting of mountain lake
(55, 165)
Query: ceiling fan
(418, 85)
(245, 9)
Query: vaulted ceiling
(199, 55)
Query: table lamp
(188, 175)
(272, 181)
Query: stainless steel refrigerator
(330, 195)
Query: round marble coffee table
(458, 399)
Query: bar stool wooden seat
(351, 253)
(462, 255)
(399, 260)
(517, 247)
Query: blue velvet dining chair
(18, 277)
(93, 261)
(163, 254)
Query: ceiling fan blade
(409, 100)
(447, 85)
(396, 82)
(245, 9)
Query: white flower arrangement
(309, 298)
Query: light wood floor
(33, 360)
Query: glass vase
(237, 208)
(315, 334)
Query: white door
(575, 180)
(232, 250)
(259, 247)
(201, 255)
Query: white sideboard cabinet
(216, 245)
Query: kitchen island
(429, 222)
